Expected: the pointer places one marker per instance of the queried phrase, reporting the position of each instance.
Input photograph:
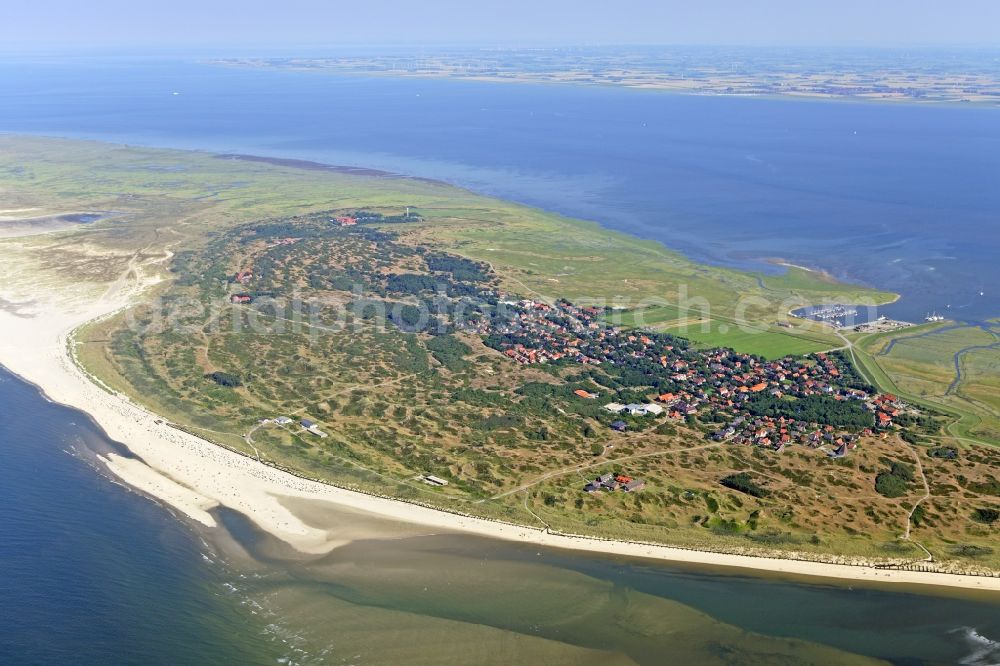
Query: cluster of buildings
(776, 433)
(307, 425)
(242, 277)
(542, 333)
(681, 381)
(631, 409)
(634, 408)
(532, 332)
(686, 380)
(612, 482)
(886, 407)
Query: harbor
(857, 318)
(840, 316)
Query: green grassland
(544, 255)
(791, 336)
(537, 253)
(765, 342)
(981, 379)
(920, 364)
(514, 440)
(163, 197)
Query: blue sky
(264, 24)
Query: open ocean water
(901, 197)
(91, 573)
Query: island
(260, 332)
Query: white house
(432, 480)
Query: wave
(985, 651)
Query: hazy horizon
(66, 26)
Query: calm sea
(900, 197)
(91, 573)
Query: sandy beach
(194, 476)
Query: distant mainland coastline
(965, 77)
